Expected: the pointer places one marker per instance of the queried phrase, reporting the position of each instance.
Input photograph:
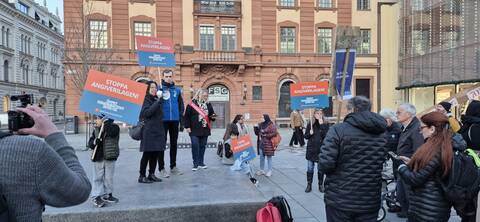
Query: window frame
(281, 3)
(360, 50)
(319, 38)
(200, 28)
(361, 5)
(257, 97)
(234, 28)
(319, 4)
(281, 37)
(90, 31)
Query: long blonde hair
(198, 95)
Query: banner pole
(342, 91)
(311, 120)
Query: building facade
(31, 57)
(440, 49)
(246, 53)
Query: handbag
(91, 140)
(276, 140)
(136, 131)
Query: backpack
(282, 204)
(269, 213)
(5, 212)
(463, 181)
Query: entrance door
(219, 97)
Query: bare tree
(86, 46)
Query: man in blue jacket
(173, 109)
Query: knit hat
(447, 106)
(473, 109)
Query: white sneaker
(269, 173)
(175, 171)
(203, 166)
(260, 172)
(194, 168)
(164, 174)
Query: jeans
(262, 161)
(103, 177)
(311, 168)
(335, 215)
(171, 128)
(151, 159)
(198, 150)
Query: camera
(19, 120)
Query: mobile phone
(394, 155)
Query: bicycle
(388, 196)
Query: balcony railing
(219, 56)
(226, 7)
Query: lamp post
(347, 37)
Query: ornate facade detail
(220, 70)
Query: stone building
(246, 53)
(31, 57)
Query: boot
(309, 182)
(321, 188)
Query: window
(98, 34)
(22, 7)
(41, 77)
(287, 3)
(287, 40)
(8, 37)
(257, 93)
(325, 3)
(228, 38)
(324, 42)
(366, 42)
(362, 87)
(5, 71)
(420, 42)
(3, 35)
(25, 73)
(207, 37)
(54, 77)
(363, 4)
(143, 28)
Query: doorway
(219, 97)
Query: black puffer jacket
(471, 125)
(427, 202)
(352, 157)
(392, 135)
(315, 140)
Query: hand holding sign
(242, 148)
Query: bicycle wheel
(382, 213)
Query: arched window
(284, 108)
(5, 71)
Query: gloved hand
(181, 128)
(159, 93)
(97, 141)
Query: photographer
(37, 173)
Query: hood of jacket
(458, 143)
(367, 121)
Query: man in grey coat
(408, 142)
(37, 173)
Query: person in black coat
(409, 141)
(471, 125)
(352, 156)
(470, 131)
(153, 133)
(430, 163)
(393, 129)
(315, 136)
(198, 117)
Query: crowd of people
(350, 156)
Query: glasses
(168, 76)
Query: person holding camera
(36, 173)
(106, 151)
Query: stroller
(389, 197)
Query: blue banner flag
(340, 56)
